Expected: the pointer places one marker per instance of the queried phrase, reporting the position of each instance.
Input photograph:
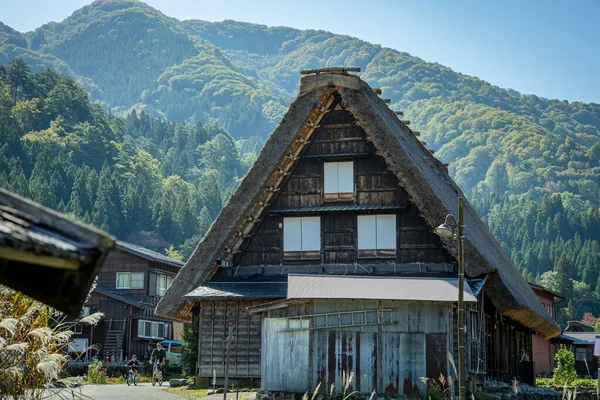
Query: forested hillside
(530, 165)
(145, 180)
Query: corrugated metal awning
(375, 288)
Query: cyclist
(134, 364)
(158, 356)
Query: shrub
(564, 373)
(77, 369)
(431, 390)
(545, 382)
(96, 372)
(190, 346)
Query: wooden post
(598, 386)
(228, 341)
(461, 309)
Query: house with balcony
(130, 283)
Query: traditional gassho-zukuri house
(324, 261)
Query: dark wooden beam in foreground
(48, 256)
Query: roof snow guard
(424, 178)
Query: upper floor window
(130, 280)
(377, 235)
(339, 180)
(302, 237)
(162, 284)
(153, 329)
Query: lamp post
(446, 231)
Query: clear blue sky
(547, 47)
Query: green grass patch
(188, 392)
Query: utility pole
(228, 341)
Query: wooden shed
(324, 260)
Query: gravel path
(144, 391)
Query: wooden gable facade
(375, 191)
(331, 196)
(128, 308)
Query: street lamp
(445, 231)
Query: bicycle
(132, 378)
(157, 376)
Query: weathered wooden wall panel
(214, 321)
(389, 357)
(288, 354)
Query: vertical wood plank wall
(386, 357)
(214, 320)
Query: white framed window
(302, 237)
(130, 280)
(376, 235)
(137, 280)
(152, 329)
(338, 180)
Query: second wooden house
(131, 282)
(324, 261)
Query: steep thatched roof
(425, 179)
(48, 256)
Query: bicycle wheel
(129, 378)
(135, 380)
(160, 379)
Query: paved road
(144, 391)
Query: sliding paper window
(339, 180)
(377, 235)
(302, 237)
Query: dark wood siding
(120, 261)
(339, 139)
(304, 187)
(264, 247)
(509, 348)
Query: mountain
(530, 165)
